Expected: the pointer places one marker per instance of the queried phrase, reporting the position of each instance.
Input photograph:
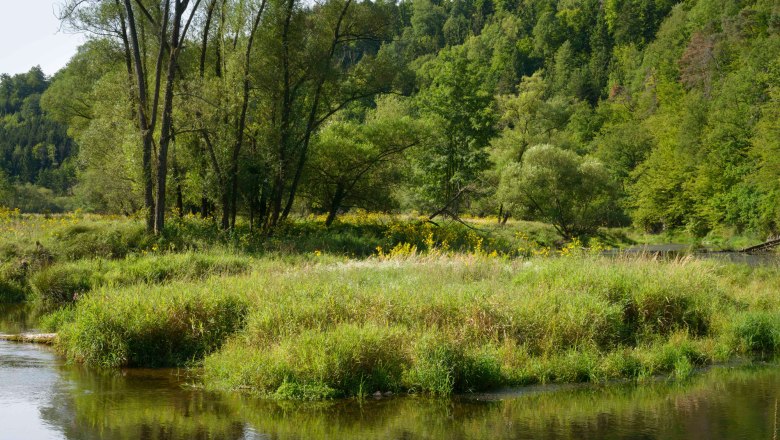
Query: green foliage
(474, 326)
(574, 194)
(361, 164)
(58, 285)
(457, 103)
(441, 367)
(34, 148)
(346, 360)
(417, 317)
(11, 292)
(578, 114)
(63, 283)
(102, 240)
(676, 100)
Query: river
(43, 398)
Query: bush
(575, 194)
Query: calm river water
(41, 398)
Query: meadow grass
(55, 258)
(62, 283)
(138, 326)
(469, 323)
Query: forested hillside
(590, 113)
(34, 149)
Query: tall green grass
(63, 283)
(138, 326)
(449, 324)
(60, 257)
(12, 283)
(430, 309)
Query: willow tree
(318, 59)
(219, 98)
(153, 65)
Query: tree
(572, 193)
(6, 189)
(359, 163)
(457, 100)
(152, 88)
(766, 148)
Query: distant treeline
(583, 114)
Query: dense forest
(35, 150)
(580, 113)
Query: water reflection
(28, 375)
(41, 398)
(17, 318)
(722, 404)
(138, 404)
(73, 403)
(675, 251)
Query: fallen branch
(33, 338)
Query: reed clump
(139, 326)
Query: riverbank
(380, 304)
(432, 324)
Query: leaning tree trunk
(335, 204)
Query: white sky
(30, 35)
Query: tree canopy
(658, 113)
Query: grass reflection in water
(725, 403)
